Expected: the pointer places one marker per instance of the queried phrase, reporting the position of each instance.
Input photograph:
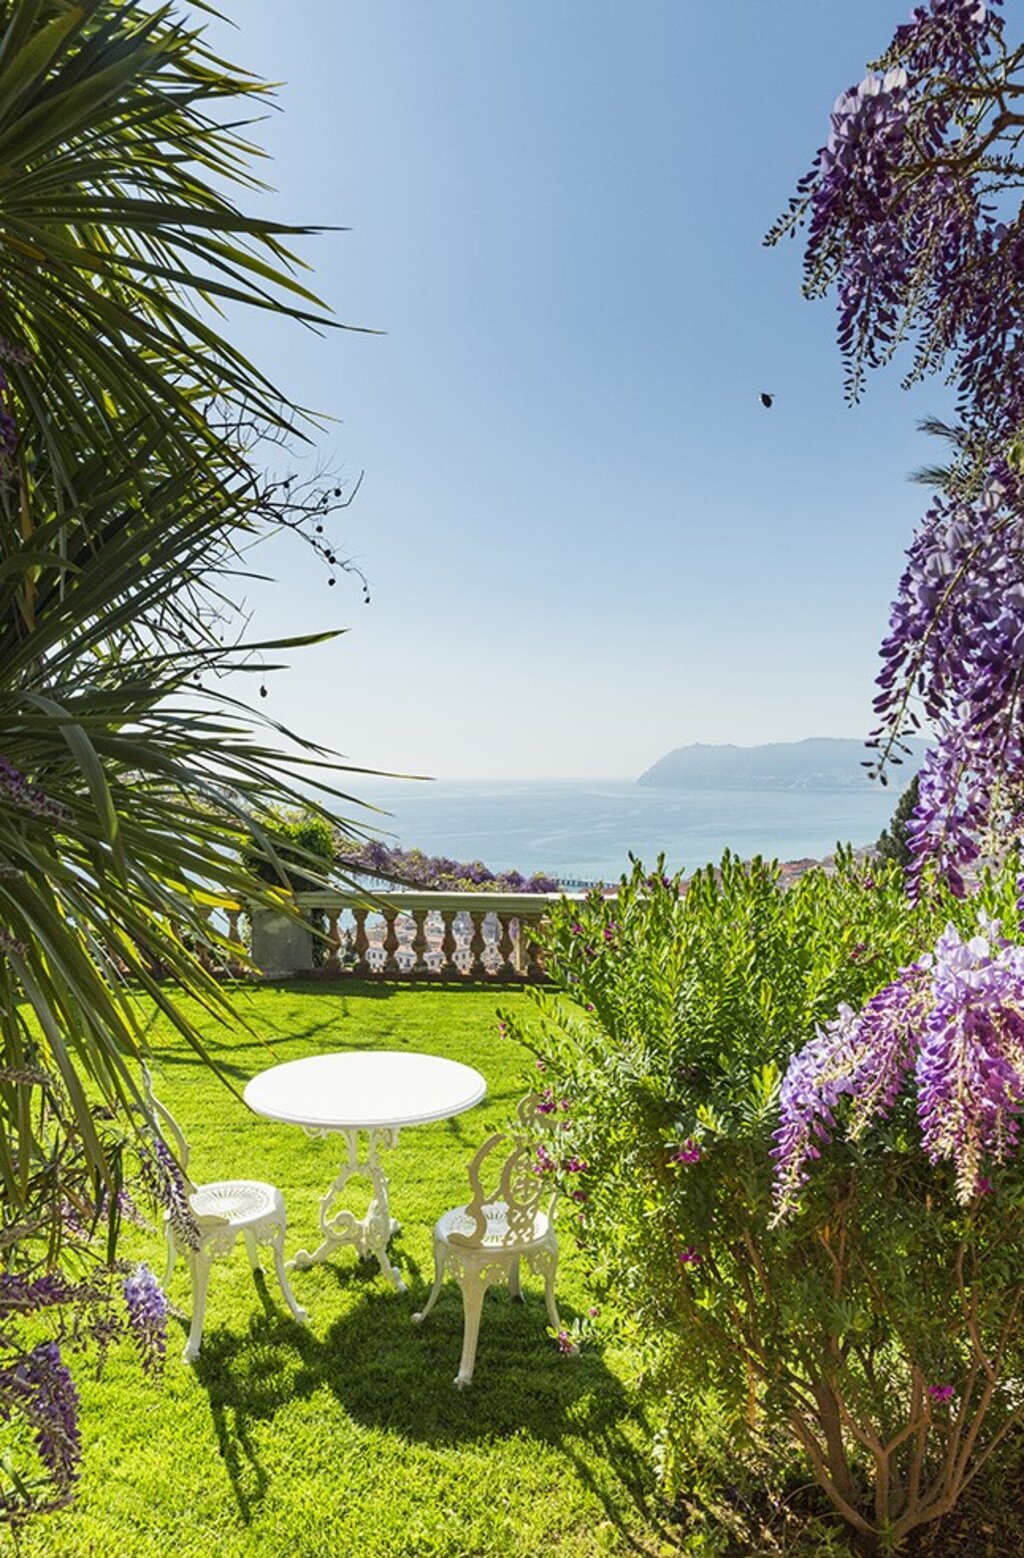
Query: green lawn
(348, 1436)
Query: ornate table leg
(368, 1235)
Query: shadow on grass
(390, 1375)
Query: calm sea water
(585, 831)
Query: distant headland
(818, 763)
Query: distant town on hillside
(818, 763)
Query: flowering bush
(870, 1334)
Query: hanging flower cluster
(146, 1303)
(897, 221)
(957, 633)
(912, 215)
(953, 1026)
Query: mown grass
(348, 1436)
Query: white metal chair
(483, 1242)
(221, 1210)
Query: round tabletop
(366, 1089)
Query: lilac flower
(575, 1165)
(543, 1162)
(689, 1152)
(940, 1393)
(690, 1256)
(146, 1303)
(565, 1342)
(546, 1103)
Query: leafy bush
(874, 1334)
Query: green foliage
(893, 843)
(290, 846)
(764, 1346)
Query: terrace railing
(406, 935)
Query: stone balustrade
(406, 935)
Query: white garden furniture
(483, 1242)
(221, 1210)
(378, 1092)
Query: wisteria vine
(908, 218)
(952, 1027)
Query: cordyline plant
(131, 780)
(913, 219)
(855, 1307)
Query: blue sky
(587, 541)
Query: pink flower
(565, 1342)
(575, 1165)
(689, 1152)
(689, 1256)
(984, 1187)
(940, 1393)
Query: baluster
(534, 963)
(506, 966)
(235, 926)
(448, 943)
(362, 941)
(333, 941)
(476, 945)
(419, 942)
(391, 966)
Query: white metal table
(376, 1091)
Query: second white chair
(483, 1242)
(221, 1209)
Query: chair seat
(240, 1202)
(498, 1234)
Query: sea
(585, 831)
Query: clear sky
(587, 540)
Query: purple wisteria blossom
(17, 791)
(955, 1023)
(162, 1176)
(970, 1063)
(39, 1388)
(957, 629)
(904, 222)
(146, 1303)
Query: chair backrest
(518, 1188)
(161, 1113)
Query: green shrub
(765, 1346)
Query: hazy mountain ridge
(817, 763)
